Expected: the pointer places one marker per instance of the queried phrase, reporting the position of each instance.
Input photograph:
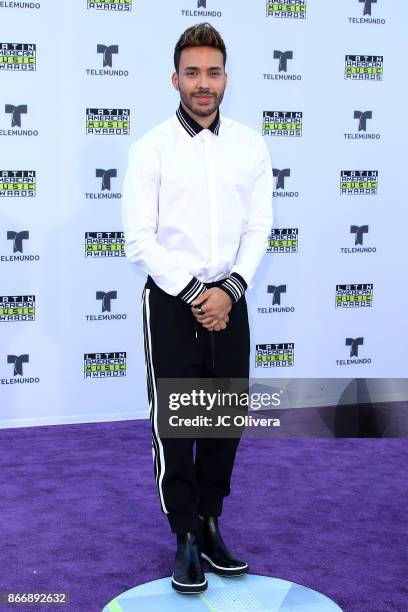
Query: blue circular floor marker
(246, 593)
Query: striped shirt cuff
(235, 286)
(192, 291)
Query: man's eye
(190, 73)
(214, 74)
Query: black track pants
(177, 346)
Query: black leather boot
(188, 575)
(214, 551)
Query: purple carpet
(80, 513)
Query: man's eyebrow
(196, 68)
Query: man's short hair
(200, 35)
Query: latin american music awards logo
(283, 240)
(364, 67)
(103, 121)
(354, 295)
(358, 182)
(18, 56)
(104, 244)
(105, 365)
(282, 123)
(288, 9)
(275, 355)
(18, 183)
(17, 308)
(110, 5)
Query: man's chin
(204, 112)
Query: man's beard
(201, 112)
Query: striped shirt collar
(192, 127)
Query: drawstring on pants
(212, 342)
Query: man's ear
(174, 80)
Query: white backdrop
(79, 180)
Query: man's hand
(216, 305)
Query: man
(196, 214)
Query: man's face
(201, 80)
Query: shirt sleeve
(140, 221)
(253, 243)
(235, 286)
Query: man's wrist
(192, 291)
(235, 286)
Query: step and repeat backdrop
(325, 84)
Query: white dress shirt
(197, 205)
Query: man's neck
(205, 122)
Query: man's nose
(203, 81)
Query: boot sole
(189, 589)
(239, 571)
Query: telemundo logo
(106, 177)
(17, 241)
(283, 74)
(106, 299)
(277, 293)
(363, 119)
(359, 232)
(19, 5)
(202, 10)
(366, 7)
(354, 358)
(17, 114)
(280, 192)
(107, 54)
(18, 363)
